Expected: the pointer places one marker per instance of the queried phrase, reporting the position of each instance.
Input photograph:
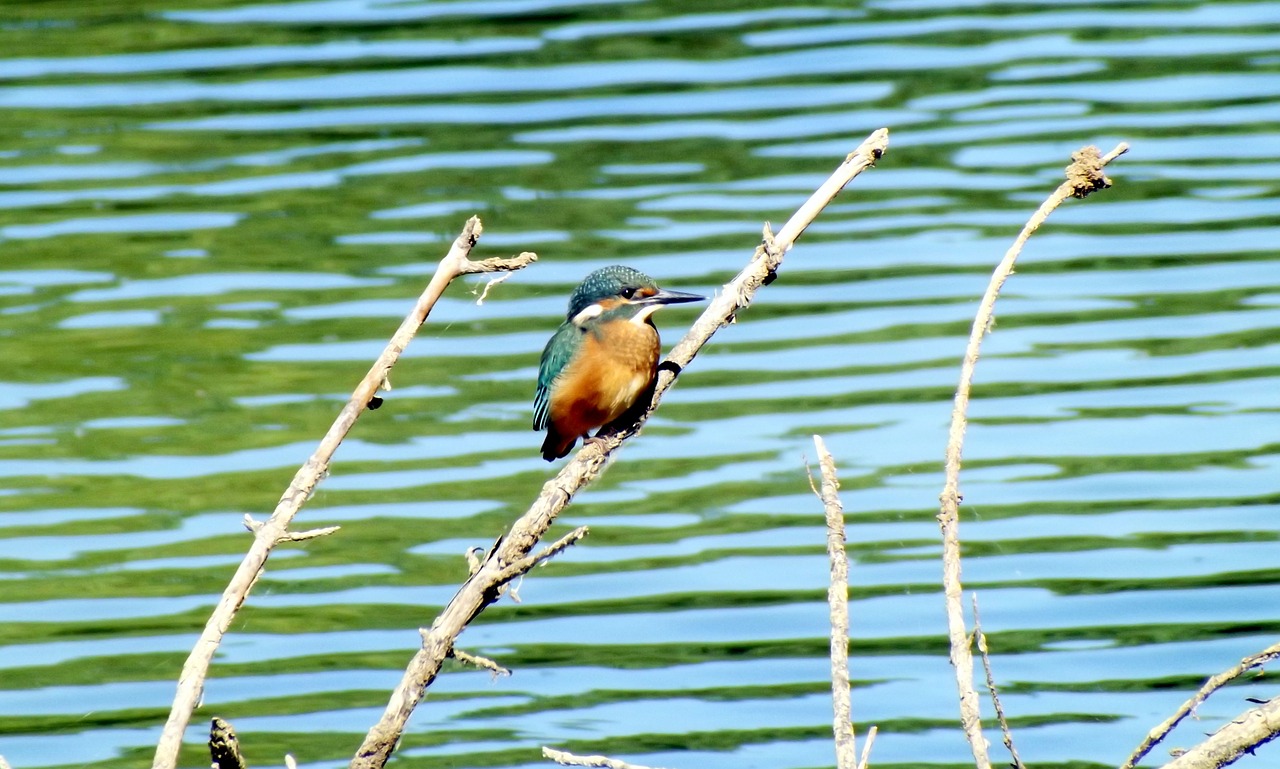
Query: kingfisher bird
(603, 357)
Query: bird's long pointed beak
(667, 296)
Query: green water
(213, 215)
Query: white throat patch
(641, 317)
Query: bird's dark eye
(628, 292)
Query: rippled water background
(213, 214)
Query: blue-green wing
(559, 351)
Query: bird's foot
(597, 441)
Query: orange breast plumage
(614, 366)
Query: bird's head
(621, 292)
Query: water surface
(214, 213)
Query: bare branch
(477, 661)
(526, 564)
(981, 638)
(865, 760)
(1187, 708)
(276, 529)
(256, 526)
(1245, 732)
(737, 295)
(568, 759)
(484, 294)
(481, 589)
(838, 603)
(1084, 175)
(808, 474)
(302, 536)
(494, 264)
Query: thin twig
(487, 286)
(981, 638)
(1245, 732)
(476, 661)
(1187, 708)
(276, 529)
(255, 526)
(865, 760)
(1084, 175)
(526, 564)
(838, 603)
(568, 759)
(303, 536)
(480, 589)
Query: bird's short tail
(556, 445)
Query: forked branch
(1210, 686)
(481, 588)
(1241, 735)
(266, 535)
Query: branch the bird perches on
(483, 586)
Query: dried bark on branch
(838, 604)
(276, 529)
(1245, 732)
(1084, 176)
(1005, 731)
(569, 759)
(1210, 686)
(483, 586)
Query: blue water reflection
(213, 215)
